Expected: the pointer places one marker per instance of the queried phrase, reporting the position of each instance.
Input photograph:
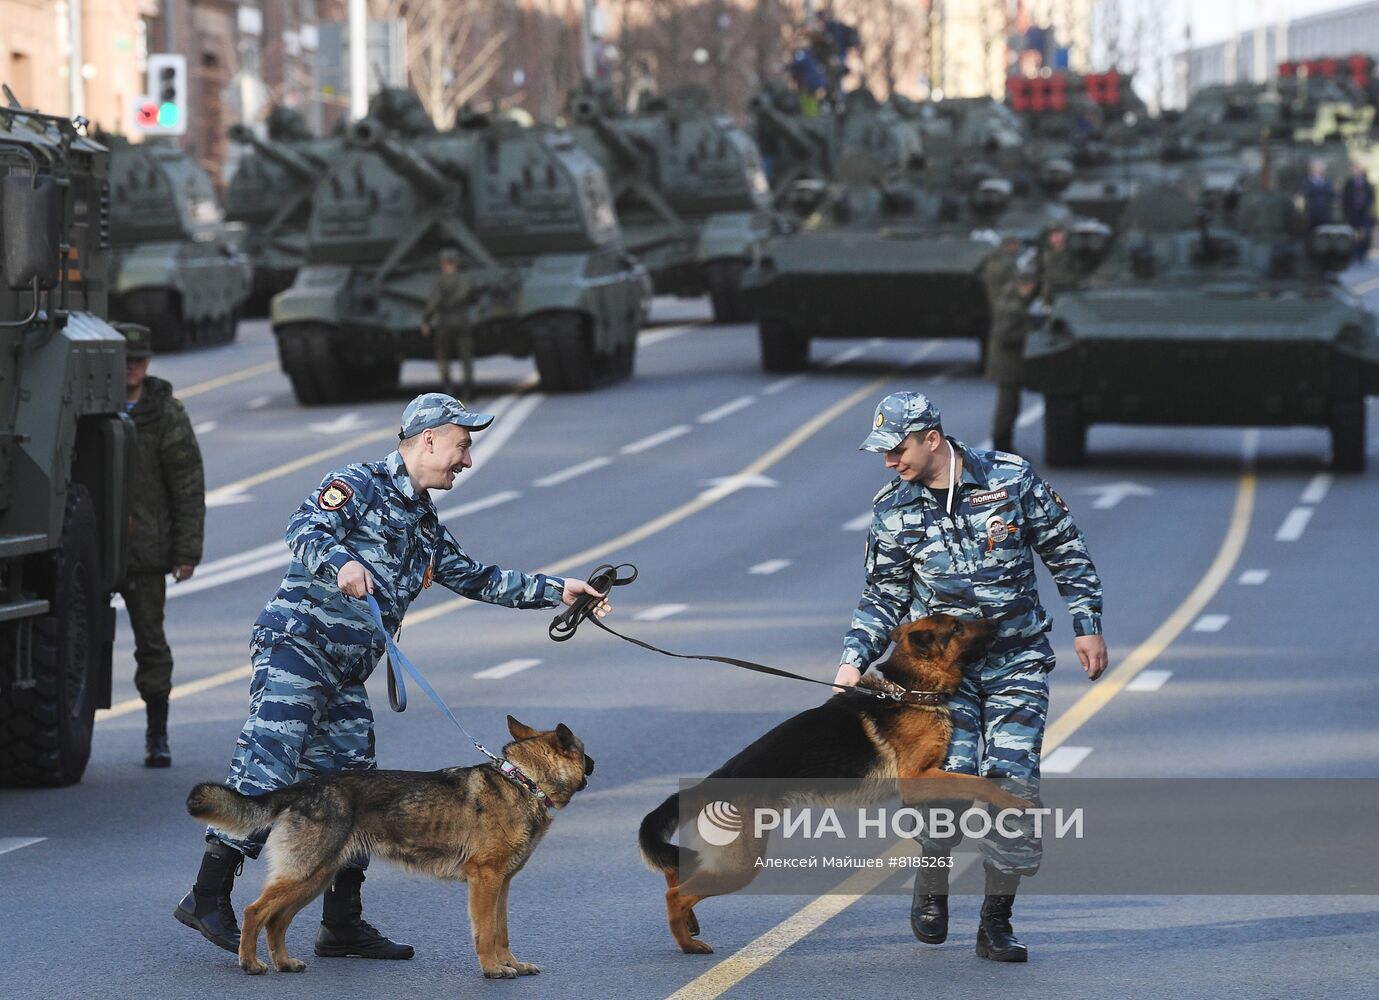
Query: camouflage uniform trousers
(308, 714)
(1004, 704)
(145, 595)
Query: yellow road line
(178, 691)
(818, 911)
(223, 380)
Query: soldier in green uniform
(167, 526)
(444, 319)
(999, 268)
(1058, 267)
(1010, 324)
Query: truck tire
(782, 349)
(313, 365)
(564, 352)
(1065, 432)
(159, 309)
(45, 724)
(1348, 435)
(724, 279)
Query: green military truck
(66, 447)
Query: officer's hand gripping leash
(397, 701)
(606, 577)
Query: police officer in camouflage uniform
(1011, 323)
(956, 532)
(167, 524)
(367, 529)
(445, 319)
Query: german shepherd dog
(853, 736)
(471, 824)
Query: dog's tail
(657, 850)
(234, 812)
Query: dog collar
(905, 696)
(516, 775)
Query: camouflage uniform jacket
(1059, 272)
(370, 513)
(979, 564)
(447, 306)
(1005, 346)
(168, 520)
(997, 271)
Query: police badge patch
(336, 494)
(1056, 498)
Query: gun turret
(302, 166)
(369, 134)
(793, 134)
(585, 110)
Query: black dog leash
(606, 577)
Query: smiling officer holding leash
(956, 532)
(368, 529)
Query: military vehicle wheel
(1348, 435)
(564, 353)
(1065, 432)
(377, 380)
(782, 349)
(159, 309)
(310, 362)
(724, 278)
(45, 728)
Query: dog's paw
(499, 972)
(253, 967)
(290, 965)
(524, 968)
(696, 947)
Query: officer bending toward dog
(368, 529)
(956, 532)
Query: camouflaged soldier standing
(445, 319)
(167, 522)
(1011, 323)
(956, 532)
(367, 529)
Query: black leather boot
(344, 931)
(995, 937)
(207, 908)
(929, 907)
(156, 750)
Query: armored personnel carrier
(269, 197)
(66, 448)
(688, 187)
(532, 217)
(173, 269)
(1229, 316)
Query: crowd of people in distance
(1353, 200)
(819, 61)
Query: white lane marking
(1031, 415)
(658, 611)
(725, 485)
(1109, 495)
(506, 669)
(656, 336)
(205, 427)
(1063, 760)
(859, 523)
(1316, 489)
(228, 498)
(8, 844)
(741, 403)
(876, 341)
(851, 354)
(782, 385)
(1210, 623)
(483, 503)
(258, 402)
(565, 475)
(509, 415)
(346, 423)
(277, 560)
(1253, 577)
(652, 440)
(1149, 680)
(1293, 525)
(769, 566)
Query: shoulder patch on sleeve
(1056, 497)
(335, 495)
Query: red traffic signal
(146, 114)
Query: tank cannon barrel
(781, 124)
(585, 110)
(369, 134)
(300, 165)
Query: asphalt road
(1240, 579)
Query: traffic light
(163, 110)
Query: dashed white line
(258, 402)
(658, 611)
(1149, 680)
(851, 354)
(859, 523)
(205, 427)
(769, 566)
(652, 440)
(1063, 760)
(656, 336)
(565, 475)
(1317, 488)
(1253, 577)
(782, 385)
(1293, 525)
(483, 503)
(1210, 623)
(727, 409)
(506, 669)
(1031, 415)
(8, 844)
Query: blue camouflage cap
(897, 415)
(431, 409)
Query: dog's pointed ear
(563, 735)
(519, 731)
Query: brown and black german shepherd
(852, 736)
(471, 824)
